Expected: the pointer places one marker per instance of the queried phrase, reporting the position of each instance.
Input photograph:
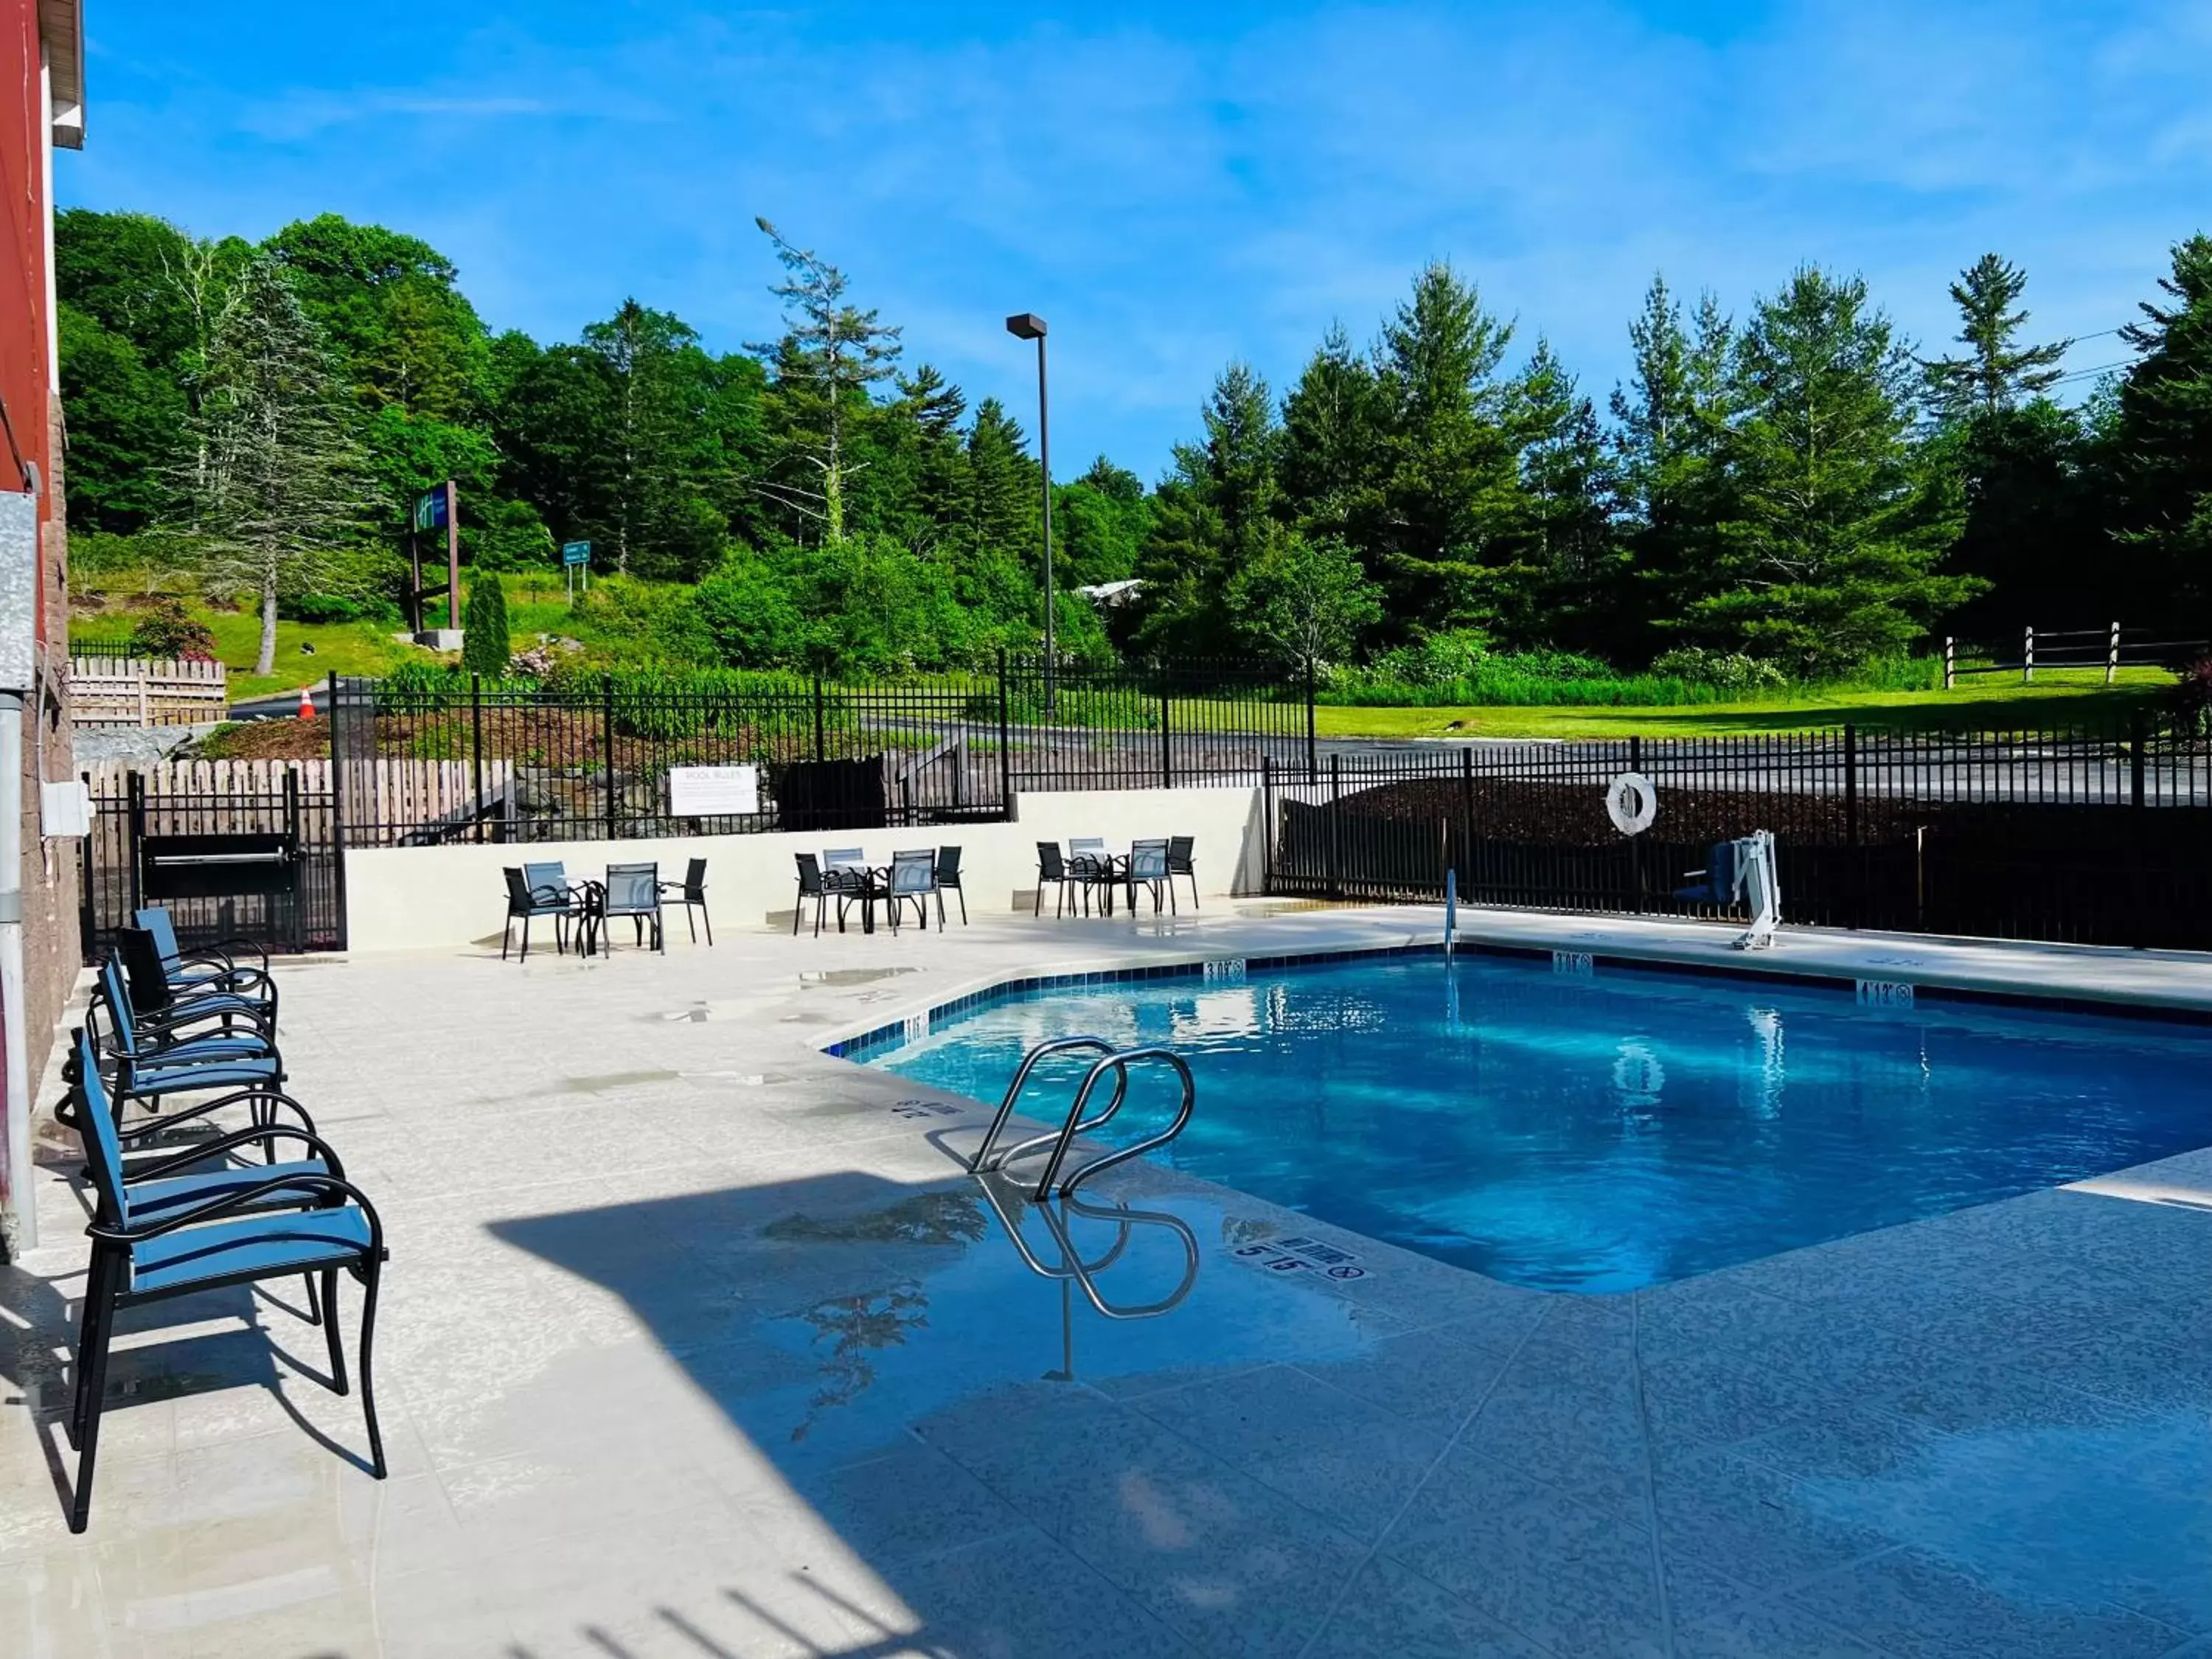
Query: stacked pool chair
(205, 1174)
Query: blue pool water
(1603, 1133)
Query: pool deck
(697, 1343)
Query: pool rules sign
(714, 791)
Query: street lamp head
(1026, 326)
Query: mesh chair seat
(259, 1247)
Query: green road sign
(575, 553)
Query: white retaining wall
(413, 898)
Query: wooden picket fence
(143, 691)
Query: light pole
(1027, 326)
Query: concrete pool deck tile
(52, 1608)
(1022, 1594)
(1559, 1571)
(1391, 1612)
(1916, 1607)
(1233, 1565)
(1349, 1462)
(1765, 1631)
(1720, 1398)
(1433, 1377)
(910, 1502)
(1571, 1418)
(1717, 1511)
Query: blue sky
(1173, 185)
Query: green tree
(126, 426)
(485, 644)
(831, 354)
(1308, 599)
(282, 493)
(2162, 440)
(1670, 425)
(1101, 521)
(658, 455)
(1214, 515)
(1828, 557)
(1444, 516)
(1569, 564)
(1332, 458)
(1997, 372)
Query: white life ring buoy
(1631, 802)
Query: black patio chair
(205, 967)
(1052, 870)
(693, 891)
(812, 886)
(948, 880)
(147, 1251)
(913, 876)
(160, 1009)
(1148, 867)
(632, 891)
(1179, 850)
(150, 1066)
(538, 890)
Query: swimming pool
(1603, 1133)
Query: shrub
(483, 630)
(167, 629)
(1729, 670)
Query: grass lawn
(339, 647)
(1991, 702)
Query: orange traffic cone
(307, 703)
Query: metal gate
(198, 832)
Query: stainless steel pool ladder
(1085, 1274)
(1111, 1060)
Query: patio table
(864, 883)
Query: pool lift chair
(1742, 871)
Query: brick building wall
(40, 70)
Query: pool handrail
(982, 1159)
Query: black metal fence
(594, 763)
(2102, 836)
(298, 906)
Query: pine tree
(2163, 442)
(1828, 556)
(484, 640)
(1998, 374)
(283, 490)
(831, 354)
(1332, 437)
(1443, 517)
(1214, 516)
(1670, 422)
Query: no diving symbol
(1346, 1270)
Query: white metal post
(2113, 655)
(2027, 656)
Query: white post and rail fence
(2109, 649)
